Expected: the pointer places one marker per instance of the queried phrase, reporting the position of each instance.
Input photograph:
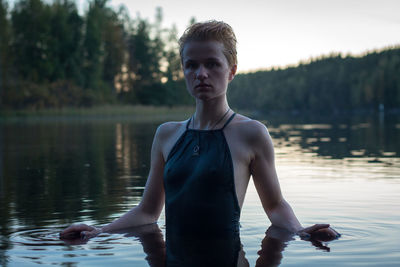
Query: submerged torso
(200, 193)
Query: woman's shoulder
(249, 128)
(244, 123)
(169, 128)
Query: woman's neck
(208, 113)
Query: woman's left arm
(262, 168)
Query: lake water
(53, 172)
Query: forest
(328, 84)
(51, 56)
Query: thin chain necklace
(196, 148)
(217, 121)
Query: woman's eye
(211, 64)
(190, 65)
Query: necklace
(196, 148)
(215, 123)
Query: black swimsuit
(201, 206)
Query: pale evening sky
(281, 32)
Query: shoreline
(131, 112)
(146, 112)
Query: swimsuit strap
(187, 124)
(228, 121)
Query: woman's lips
(203, 86)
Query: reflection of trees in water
(126, 157)
(61, 171)
(344, 137)
(4, 209)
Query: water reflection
(208, 251)
(125, 150)
(62, 172)
(203, 251)
(341, 138)
(42, 246)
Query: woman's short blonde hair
(215, 31)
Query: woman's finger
(304, 235)
(85, 235)
(315, 227)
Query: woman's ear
(232, 72)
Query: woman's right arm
(149, 208)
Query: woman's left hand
(318, 232)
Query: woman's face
(206, 69)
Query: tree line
(328, 84)
(52, 56)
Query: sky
(277, 33)
(274, 33)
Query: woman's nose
(201, 73)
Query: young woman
(200, 168)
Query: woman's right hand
(81, 231)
